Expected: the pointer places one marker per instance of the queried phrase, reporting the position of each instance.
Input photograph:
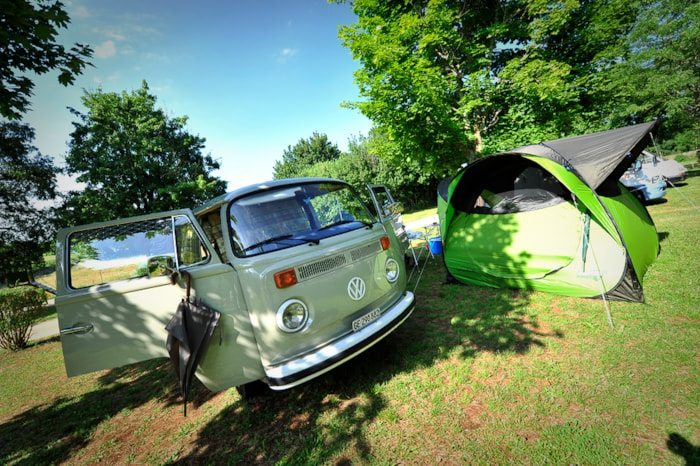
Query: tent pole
(602, 286)
(586, 247)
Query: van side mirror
(160, 265)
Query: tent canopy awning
(596, 157)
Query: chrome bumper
(305, 368)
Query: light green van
(305, 277)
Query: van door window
(190, 250)
(138, 249)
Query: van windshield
(289, 216)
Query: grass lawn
(475, 376)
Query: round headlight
(292, 316)
(391, 269)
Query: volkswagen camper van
(304, 275)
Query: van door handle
(78, 330)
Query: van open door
(114, 292)
(389, 212)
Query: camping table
(420, 241)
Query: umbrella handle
(187, 276)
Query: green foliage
(20, 259)
(361, 166)
(447, 81)
(25, 177)
(19, 306)
(304, 155)
(134, 159)
(661, 76)
(419, 80)
(28, 33)
(28, 47)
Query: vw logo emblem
(356, 288)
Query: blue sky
(253, 77)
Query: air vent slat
(319, 267)
(365, 251)
(314, 269)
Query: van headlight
(292, 316)
(391, 270)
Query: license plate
(357, 324)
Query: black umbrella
(189, 332)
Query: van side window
(137, 249)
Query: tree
(361, 166)
(305, 154)
(28, 32)
(451, 80)
(134, 159)
(26, 176)
(660, 75)
(554, 82)
(428, 74)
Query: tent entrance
(515, 224)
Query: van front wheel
(252, 389)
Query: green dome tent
(551, 217)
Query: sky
(253, 77)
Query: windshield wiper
(274, 239)
(277, 239)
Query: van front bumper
(322, 360)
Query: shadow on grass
(51, 433)
(325, 420)
(310, 424)
(693, 171)
(678, 445)
(478, 319)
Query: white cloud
(80, 12)
(286, 54)
(114, 35)
(105, 50)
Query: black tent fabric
(596, 157)
(189, 333)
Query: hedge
(19, 306)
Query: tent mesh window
(518, 186)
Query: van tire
(252, 389)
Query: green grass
(475, 376)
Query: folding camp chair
(420, 241)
